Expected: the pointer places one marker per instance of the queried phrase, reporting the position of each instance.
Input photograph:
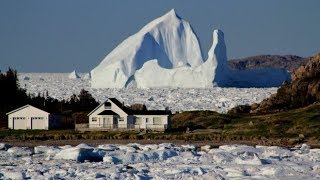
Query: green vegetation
(299, 123)
(283, 128)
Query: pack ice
(158, 161)
(166, 53)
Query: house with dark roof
(114, 115)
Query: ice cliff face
(166, 53)
(202, 76)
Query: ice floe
(162, 161)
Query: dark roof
(136, 112)
(151, 112)
(107, 112)
(120, 105)
(107, 103)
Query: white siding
(99, 122)
(28, 113)
(148, 121)
(19, 122)
(94, 118)
(159, 122)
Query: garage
(37, 123)
(29, 117)
(19, 123)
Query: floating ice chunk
(274, 152)
(4, 146)
(188, 147)
(80, 154)
(83, 145)
(111, 159)
(47, 150)
(199, 171)
(305, 148)
(206, 148)
(149, 147)
(248, 158)
(74, 75)
(239, 149)
(20, 151)
(13, 174)
(219, 156)
(108, 147)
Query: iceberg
(166, 53)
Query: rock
(240, 109)
(301, 92)
(254, 106)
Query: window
(147, 120)
(157, 120)
(37, 118)
(18, 118)
(138, 120)
(121, 119)
(94, 119)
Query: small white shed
(30, 117)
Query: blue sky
(59, 36)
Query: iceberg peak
(172, 13)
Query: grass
(289, 124)
(205, 125)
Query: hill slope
(304, 90)
(288, 62)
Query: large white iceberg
(166, 53)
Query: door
(37, 123)
(107, 122)
(19, 123)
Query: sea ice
(163, 161)
(217, 99)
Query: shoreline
(214, 144)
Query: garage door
(37, 123)
(19, 123)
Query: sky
(67, 35)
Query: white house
(112, 114)
(30, 117)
